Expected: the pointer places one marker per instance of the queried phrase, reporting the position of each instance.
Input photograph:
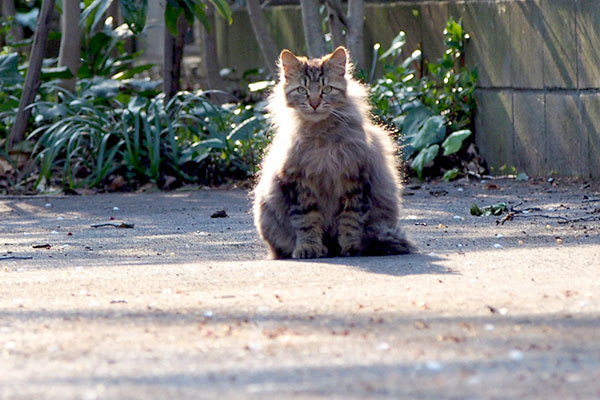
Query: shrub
(430, 111)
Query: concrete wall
(538, 61)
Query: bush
(186, 140)
(431, 111)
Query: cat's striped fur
(329, 183)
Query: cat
(329, 183)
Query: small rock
(516, 355)
(498, 246)
(382, 346)
(219, 214)
(434, 365)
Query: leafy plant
(430, 111)
(494, 209)
(187, 140)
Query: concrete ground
(185, 306)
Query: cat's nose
(314, 103)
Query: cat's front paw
(351, 249)
(309, 250)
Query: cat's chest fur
(325, 166)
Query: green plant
(432, 112)
(187, 140)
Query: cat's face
(317, 87)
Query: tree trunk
(70, 42)
(32, 80)
(356, 10)
(210, 59)
(263, 36)
(313, 34)
(8, 10)
(337, 22)
(173, 55)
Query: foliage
(187, 140)
(430, 111)
(494, 209)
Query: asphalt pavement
(174, 300)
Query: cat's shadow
(409, 264)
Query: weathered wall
(538, 60)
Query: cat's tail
(385, 241)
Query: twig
(590, 200)
(121, 225)
(561, 220)
(491, 177)
(16, 258)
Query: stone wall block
(525, 37)
(567, 140)
(494, 128)
(530, 133)
(433, 21)
(489, 47)
(590, 118)
(560, 43)
(588, 42)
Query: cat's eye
(326, 89)
(302, 90)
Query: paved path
(184, 306)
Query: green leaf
(475, 210)
(136, 104)
(56, 73)
(495, 209)
(259, 86)
(415, 118)
(397, 44)
(28, 19)
(414, 56)
(97, 9)
(131, 72)
(425, 156)
(106, 88)
(172, 13)
(224, 10)
(522, 176)
(244, 130)
(450, 175)
(141, 85)
(9, 69)
(432, 131)
(453, 143)
(134, 14)
(213, 143)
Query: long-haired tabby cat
(329, 184)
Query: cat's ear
(337, 60)
(289, 62)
